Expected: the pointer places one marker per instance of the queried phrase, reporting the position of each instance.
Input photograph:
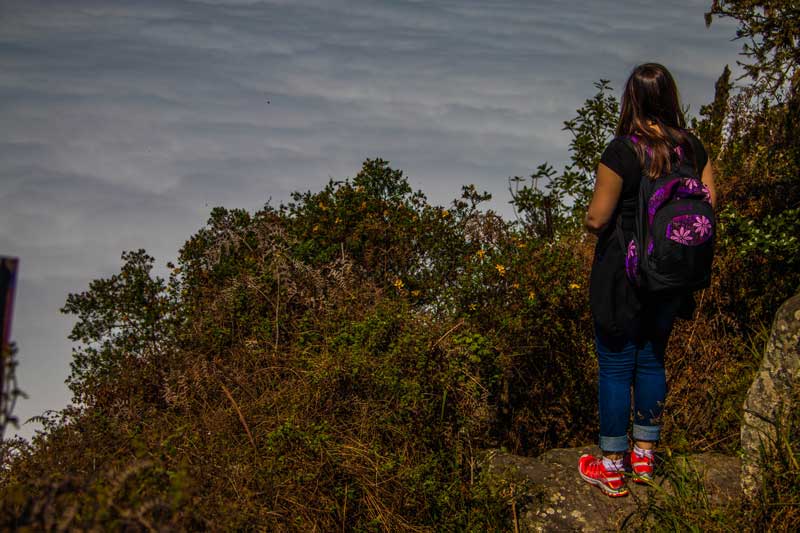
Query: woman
(631, 330)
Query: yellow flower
(501, 269)
(398, 283)
(480, 253)
(473, 306)
(515, 285)
(574, 286)
(337, 220)
(445, 213)
(521, 245)
(315, 228)
(364, 204)
(531, 296)
(415, 292)
(322, 206)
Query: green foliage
(123, 321)
(306, 391)
(391, 234)
(591, 130)
(772, 32)
(351, 218)
(340, 362)
(680, 502)
(775, 235)
(758, 163)
(561, 204)
(752, 133)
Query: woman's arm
(708, 180)
(607, 189)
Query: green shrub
(340, 362)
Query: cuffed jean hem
(614, 444)
(646, 433)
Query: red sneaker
(592, 470)
(641, 467)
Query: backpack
(672, 246)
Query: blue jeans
(638, 363)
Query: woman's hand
(607, 189)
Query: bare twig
(448, 332)
(277, 308)
(694, 325)
(344, 512)
(241, 416)
(514, 510)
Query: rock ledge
(557, 499)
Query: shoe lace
(648, 458)
(646, 454)
(596, 467)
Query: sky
(125, 122)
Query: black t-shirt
(615, 305)
(620, 157)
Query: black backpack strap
(638, 205)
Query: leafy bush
(294, 397)
(340, 361)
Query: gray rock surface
(559, 500)
(769, 398)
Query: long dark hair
(651, 95)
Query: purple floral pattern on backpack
(690, 230)
(682, 235)
(660, 197)
(702, 226)
(676, 188)
(690, 185)
(632, 263)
